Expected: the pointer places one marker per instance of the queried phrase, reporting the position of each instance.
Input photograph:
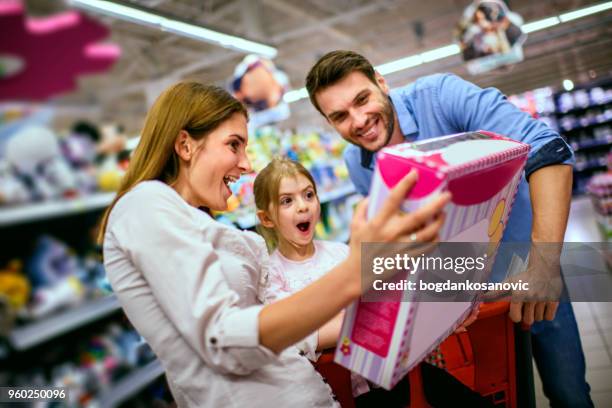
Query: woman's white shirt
(193, 288)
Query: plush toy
(48, 299)
(12, 189)
(51, 263)
(79, 150)
(258, 83)
(34, 152)
(14, 294)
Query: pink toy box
(382, 341)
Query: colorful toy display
(39, 165)
(600, 191)
(34, 153)
(320, 153)
(99, 362)
(55, 278)
(384, 340)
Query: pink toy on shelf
(382, 341)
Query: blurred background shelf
(131, 384)
(50, 209)
(22, 338)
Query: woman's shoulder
(152, 200)
(149, 192)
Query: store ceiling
(303, 30)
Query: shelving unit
(14, 215)
(588, 129)
(131, 384)
(23, 338)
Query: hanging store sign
(490, 36)
(260, 85)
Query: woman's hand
(395, 226)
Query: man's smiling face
(359, 110)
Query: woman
(193, 287)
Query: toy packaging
(382, 341)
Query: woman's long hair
(199, 109)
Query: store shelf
(576, 110)
(22, 338)
(583, 127)
(590, 167)
(131, 384)
(593, 144)
(336, 194)
(249, 220)
(50, 209)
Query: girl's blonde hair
(266, 188)
(191, 106)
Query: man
(357, 102)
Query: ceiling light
(452, 49)
(439, 53)
(295, 95)
(400, 64)
(540, 24)
(587, 11)
(175, 26)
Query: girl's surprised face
(298, 210)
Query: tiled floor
(594, 319)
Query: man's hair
(332, 68)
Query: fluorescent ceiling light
(177, 27)
(400, 64)
(453, 49)
(540, 24)
(439, 53)
(295, 95)
(587, 11)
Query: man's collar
(406, 122)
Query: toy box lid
(444, 159)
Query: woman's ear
(182, 145)
(264, 219)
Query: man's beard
(388, 118)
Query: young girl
(288, 209)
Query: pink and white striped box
(382, 341)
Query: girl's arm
(289, 320)
(329, 333)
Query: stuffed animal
(34, 152)
(14, 294)
(12, 189)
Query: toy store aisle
(594, 318)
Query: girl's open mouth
(304, 226)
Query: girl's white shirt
(287, 276)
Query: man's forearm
(551, 191)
